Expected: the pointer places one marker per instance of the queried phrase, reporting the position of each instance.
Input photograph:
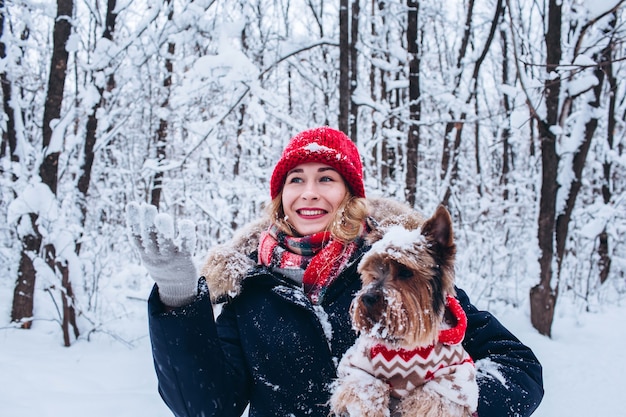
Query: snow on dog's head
(407, 275)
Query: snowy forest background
(511, 113)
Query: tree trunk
(22, 306)
(354, 37)
(23, 299)
(68, 313)
(542, 296)
(9, 136)
(84, 179)
(385, 155)
(447, 151)
(450, 163)
(506, 130)
(24, 291)
(415, 108)
(578, 164)
(603, 246)
(344, 67)
(373, 71)
(56, 85)
(542, 303)
(162, 132)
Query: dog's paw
(426, 403)
(353, 397)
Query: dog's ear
(438, 232)
(439, 228)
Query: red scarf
(320, 256)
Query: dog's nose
(370, 298)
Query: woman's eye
(327, 179)
(295, 180)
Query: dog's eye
(404, 273)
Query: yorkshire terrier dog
(408, 360)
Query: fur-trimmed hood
(227, 265)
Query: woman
(286, 283)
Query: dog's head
(406, 276)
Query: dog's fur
(408, 277)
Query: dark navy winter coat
(272, 349)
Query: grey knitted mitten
(168, 258)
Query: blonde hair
(346, 226)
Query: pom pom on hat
(323, 145)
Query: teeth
(311, 212)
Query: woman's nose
(310, 192)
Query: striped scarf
(317, 258)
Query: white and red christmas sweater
(445, 367)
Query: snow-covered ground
(584, 369)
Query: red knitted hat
(322, 145)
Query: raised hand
(166, 256)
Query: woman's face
(311, 196)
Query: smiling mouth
(305, 212)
